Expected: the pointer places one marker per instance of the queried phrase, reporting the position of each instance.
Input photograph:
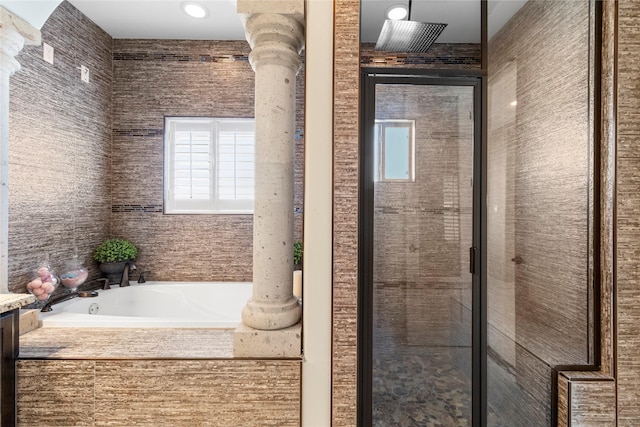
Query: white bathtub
(155, 305)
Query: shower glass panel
(422, 232)
(539, 202)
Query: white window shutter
(209, 165)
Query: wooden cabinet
(9, 336)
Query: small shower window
(209, 165)
(395, 150)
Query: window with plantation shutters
(209, 165)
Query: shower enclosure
(422, 329)
(479, 235)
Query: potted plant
(297, 255)
(112, 254)
(297, 267)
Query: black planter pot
(113, 270)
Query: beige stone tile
(55, 393)
(203, 393)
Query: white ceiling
(164, 19)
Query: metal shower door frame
(370, 77)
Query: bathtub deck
(181, 377)
(151, 377)
(107, 343)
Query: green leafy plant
(114, 250)
(297, 253)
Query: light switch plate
(47, 53)
(84, 74)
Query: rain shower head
(408, 36)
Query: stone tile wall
(345, 211)
(628, 213)
(158, 78)
(422, 228)
(439, 55)
(60, 147)
(225, 393)
(586, 399)
(538, 206)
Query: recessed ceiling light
(195, 9)
(397, 12)
(514, 103)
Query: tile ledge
(10, 302)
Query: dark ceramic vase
(113, 270)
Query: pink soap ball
(48, 288)
(49, 278)
(47, 275)
(43, 297)
(35, 283)
(37, 291)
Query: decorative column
(14, 34)
(271, 318)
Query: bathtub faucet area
(128, 266)
(90, 290)
(66, 297)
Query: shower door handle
(472, 260)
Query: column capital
(281, 7)
(274, 39)
(274, 30)
(15, 32)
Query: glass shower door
(422, 148)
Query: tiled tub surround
(151, 377)
(9, 348)
(60, 148)
(157, 78)
(123, 371)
